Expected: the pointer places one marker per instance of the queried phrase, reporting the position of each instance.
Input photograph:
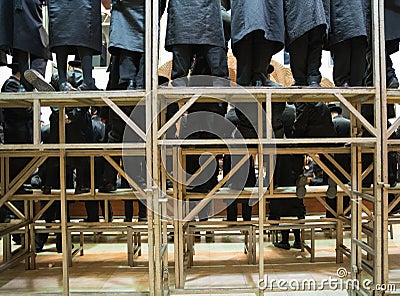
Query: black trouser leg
(129, 66)
(218, 63)
(23, 59)
(62, 66)
(181, 61)
(341, 54)
(296, 233)
(92, 210)
(358, 61)
(298, 51)
(315, 42)
(232, 211)
(87, 65)
(246, 210)
(128, 210)
(285, 236)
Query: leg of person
(358, 60)
(341, 54)
(298, 52)
(315, 43)
(142, 211)
(218, 63)
(92, 211)
(391, 78)
(129, 64)
(241, 51)
(36, 74)
(246, 210)
(297, 239)
(62, 66)
(284, 243)
(87, 68)
(182, 55)
(128, 210)
(22, 58)
(262, 52)
(231, 211)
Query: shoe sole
(37, 80)
(332, 189)
(300, 187)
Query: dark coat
(6, 25)
(349, 19)
(266, 15)
(392, 23)
(29, 33)
(194, 22)
(75, 23)
(301, 17)
(127, 27)
(313, 120)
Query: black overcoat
(301, 17)
(127, 27)
(349, 19)
(29, 33)
(266, 15)
(75, 23)
(194, 22)
(6, 25)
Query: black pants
(92, 210)
(182, 61)
(28, 61)
(131, 67)
(305, 56)
(349, 59)
(253, 53)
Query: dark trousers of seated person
(129, 210)
(232, 210)
(285, 233)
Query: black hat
(335, 107)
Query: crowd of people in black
(197, 34)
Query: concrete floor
(103, 269)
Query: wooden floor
(103, 269)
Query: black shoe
(142, 219)
(46, 189)
(23, 190)
(128, 219)
(314, 84)
(282, 245)
(37, 80)
(301, 186)
(131, 85)
(345, 84)
(332, 189)
(296, 245)
(66, 86)
(84, 87)
(82, 189)
(107, 188)
(210, 237)
(393, 82)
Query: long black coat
(313, 120)
(392, 23)
(6, 25)
(75, 23)
(29, 34)
(266, 15)
(127, 26)
(349, 19)
(194, 22)
(301, 17)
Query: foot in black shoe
(82, 189)
(84, 87)
(142, 219)
(131, 85)
(393, 82)
(46, 189)
(301, 186)
(296, 245)
(332, 189)
(23, 190)
(66, 86)
(282, 245)
(107, 188)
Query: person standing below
(306, 29)
(347, 41)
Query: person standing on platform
(347, 41)
(75, 28)
(306, 29)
